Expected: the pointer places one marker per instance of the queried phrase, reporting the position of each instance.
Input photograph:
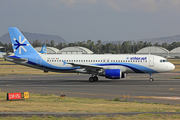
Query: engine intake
(113, 73)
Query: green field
(117, 117)
(54, 103)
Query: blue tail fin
(43, 50)
(20, 44)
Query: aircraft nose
(172, 66)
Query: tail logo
(44, 49)
(20, 44)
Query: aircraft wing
(96, 68)
(86, 66)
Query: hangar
(175, 52)
(154, 51)
(75, 50)
(49, 50)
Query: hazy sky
(80, 20)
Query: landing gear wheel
(91, 79)
(95, 78)
(151, 79)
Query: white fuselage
(129, 63)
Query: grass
(53, 103)
(103, 117)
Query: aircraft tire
(95, 78)
(151, 79)
(91, 79)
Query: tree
(52, 43)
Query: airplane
(111, 66)
(43, 50)
(2, 54)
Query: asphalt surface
(136, 86)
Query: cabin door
(151, 61)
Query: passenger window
(47, 60)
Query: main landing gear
(151, 78)
(93, 79)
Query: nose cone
(172, 67)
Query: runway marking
(174, 89)
(171, 88)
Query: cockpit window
(163, 61)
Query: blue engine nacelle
(113, 73)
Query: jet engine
(113, 73)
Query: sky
(82, 20)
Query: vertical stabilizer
(43, 50)
(20, 44)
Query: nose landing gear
(151, 78)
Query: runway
(136, 86)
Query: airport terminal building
(67, 50)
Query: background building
(154, 51)
(75, 50)
(67, 50)
(49, 50)
(175, 52)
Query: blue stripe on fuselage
(136, 68)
